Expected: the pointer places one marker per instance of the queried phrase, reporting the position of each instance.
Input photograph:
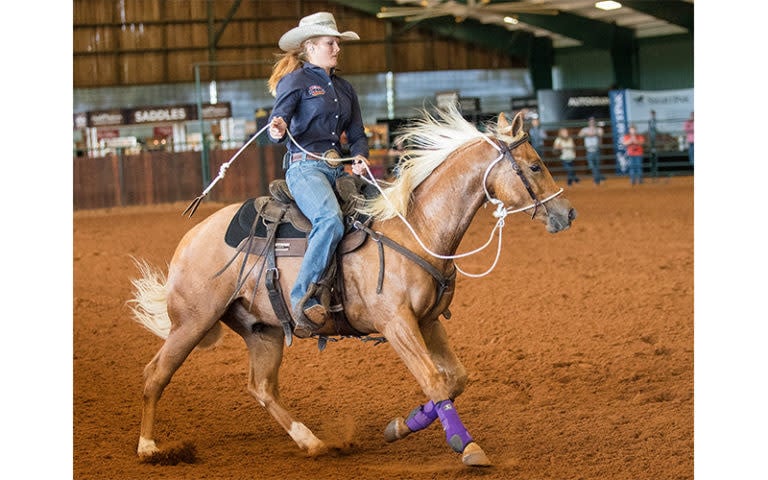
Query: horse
(448, 171)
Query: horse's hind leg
(265, 347)
(157, 375)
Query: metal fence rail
(152, 177)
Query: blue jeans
(635, 169)
(690, 153)
(593, 159)
(570, 171)
(311, 183)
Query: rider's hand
(277, 128)
(359, 165)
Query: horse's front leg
(442, 377)
(436, 340)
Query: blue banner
(620, 126)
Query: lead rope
(332, 161)
(192, 207)
(500, 213)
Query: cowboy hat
(318, 24)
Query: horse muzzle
(559, 219)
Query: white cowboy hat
(320, 24)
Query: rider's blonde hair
(285, 64)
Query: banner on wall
(671, 107)
(557, 106)
(149, 115)
(619, 125)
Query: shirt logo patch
(315, 90)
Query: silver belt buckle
(331, 155)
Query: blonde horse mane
(430, 140)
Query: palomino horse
(449, 172)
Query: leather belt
(297, 157)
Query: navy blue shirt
(317, 109)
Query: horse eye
(535, 167)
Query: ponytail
(285, 64)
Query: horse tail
(149, 300)
(150, 308)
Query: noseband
(506, 152)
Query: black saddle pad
(241, 223)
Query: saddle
(273, 226)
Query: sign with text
(105, 118)
(215, 111)
(672, 108)
(556, 106)
(158, 114)
(176, 113)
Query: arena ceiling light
(481, 10)
(607, 5)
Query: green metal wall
(664, 63)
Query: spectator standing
(592, 135)
(689, 137)
(633, 142)
(565, 145)
(537, 136)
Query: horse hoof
(474, 456)
(317, 450)
(146, 448)
(396, 430)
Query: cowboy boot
(310, 320)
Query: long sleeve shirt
(317, 109)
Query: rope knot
(500, 211)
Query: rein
(500, 213)
(505, 151)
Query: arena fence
(153, 177)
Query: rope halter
(506, 151)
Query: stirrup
(310, 320)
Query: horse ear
(503, 125)
(517, 123)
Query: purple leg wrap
(421, 417)
(456, 434)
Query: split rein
(505, 151)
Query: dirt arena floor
(579, 348)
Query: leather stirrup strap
(443, 282)
(272, 282)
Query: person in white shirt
(565, 145)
